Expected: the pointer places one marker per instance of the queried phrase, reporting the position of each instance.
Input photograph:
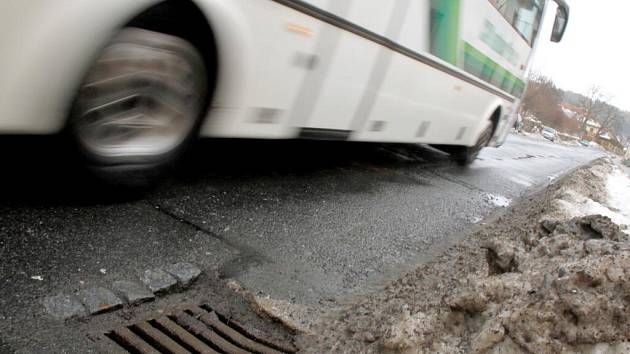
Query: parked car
(550, 134)
(585, 143)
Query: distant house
(592, 127)
(609, 142)
(605, 136)
(572, 111)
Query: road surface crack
(458, 182)
(247, 255)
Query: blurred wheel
(139, 106)
(469, 153)
(465, 155)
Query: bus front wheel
(139, 106)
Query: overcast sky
(595, 49)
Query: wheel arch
(184, 19)
(495, 118)
(56, 54)
(492, 115)
(218, 29)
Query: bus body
(412, 71)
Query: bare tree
(609, 117)
(542, 100)
(542, 96)
(592, 103)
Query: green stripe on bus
(445, 29)
(478, 64)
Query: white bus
(130, 83)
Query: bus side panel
(321, 4)
(268, 80)
(295, 72)
(415, 31)
(373, 15)
(334, 90)
(494, 51)
(491, 48)
(344, 85)
(500, 41)
(421, 104)
(265, 51)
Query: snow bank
(546, 278)
(618, 186)
(603, 190)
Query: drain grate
(195, 329)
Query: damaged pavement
(283, 242)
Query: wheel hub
(140, 98)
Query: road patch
(158, 281)
(97, 300)
(63, 306)
(133, 293)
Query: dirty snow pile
(602, 189)
(552, 275)
(567, 286)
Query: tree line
(542, 100)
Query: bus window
(523, 15)
(527, 19)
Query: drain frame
(188, 329)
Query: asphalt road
(307, 222)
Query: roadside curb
(96, 300)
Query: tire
(139, 106)
(465, 155)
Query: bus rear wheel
(465, 155)
(139, 106)
(468, 154)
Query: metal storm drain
(196, 329)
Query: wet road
(307, 222)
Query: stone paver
(132, 293)
(97, 300)
(158, 281)
(185, 273)
(63, 306)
